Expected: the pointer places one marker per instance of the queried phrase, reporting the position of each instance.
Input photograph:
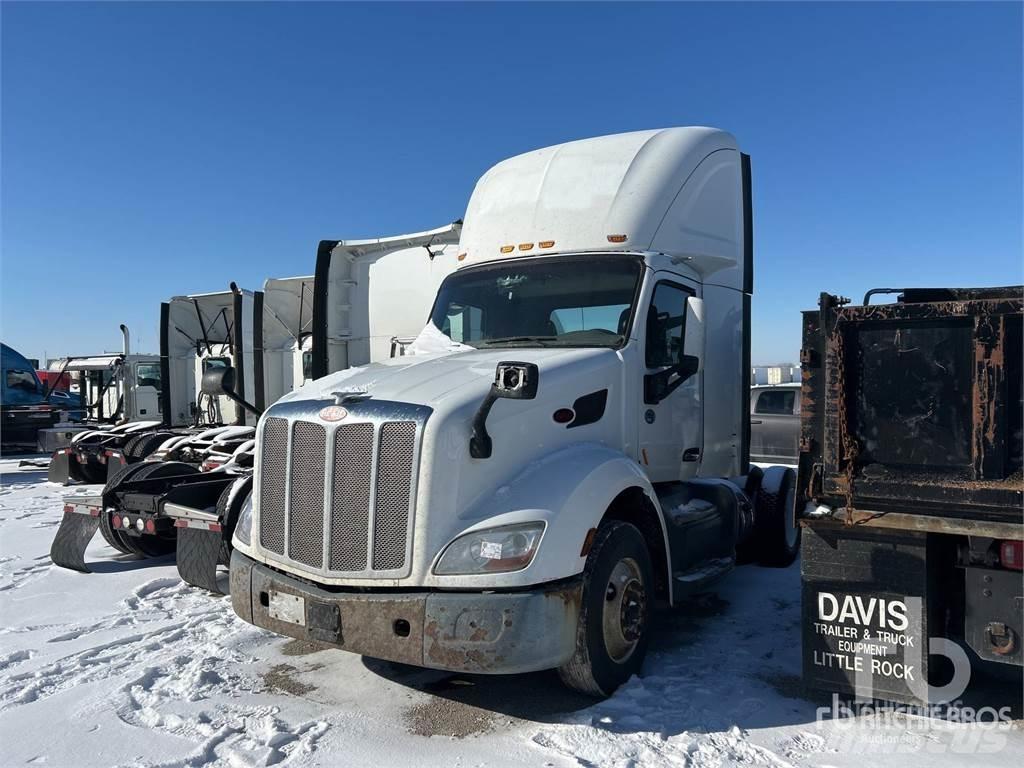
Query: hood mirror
(512, 381)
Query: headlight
(243, 528)
(492, 550)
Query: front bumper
(478, 632)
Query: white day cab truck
(197, 332)
(564, 444)
(187, 494)
(115, 389)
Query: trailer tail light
(116, 521)
(69, 507)
(209, 464)
(150, 526)
(1011, 555)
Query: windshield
(556, 302)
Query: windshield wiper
(513, 339)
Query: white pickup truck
(552, 454)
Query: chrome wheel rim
(625, 610)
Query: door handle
(756, 421)
(691, 454)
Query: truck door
(147, 391)
(774, 417)
(670, 426)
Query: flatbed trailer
(911, 493)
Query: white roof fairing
(676, 190)
(287, 309)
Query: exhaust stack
(126, 346)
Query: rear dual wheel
(147, 545)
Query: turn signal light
(616, 238)
(1011, 554)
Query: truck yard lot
(128, 666)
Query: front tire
(612, 632)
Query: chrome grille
(272, 484)
(350, 497)
(391, 501)
(306, 495)
(360, 523)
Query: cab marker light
(616, 238)
(507, 248)
(546, 244)
(588, 542)
(525, 246)
(462, 257)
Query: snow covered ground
(128, 667)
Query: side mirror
(517, 381)
(512, 380)
(219, 381)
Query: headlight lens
(243, 528)
(491, 550)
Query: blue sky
(155, 149)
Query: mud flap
(73, 536)
(115, 463)
(198, 556)
(59, 471)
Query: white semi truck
(188, 492)
(552, 454)
(197, 332)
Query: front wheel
(612, 633)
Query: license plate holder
(289, 608)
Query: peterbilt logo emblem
(333, 413)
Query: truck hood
(435, 378)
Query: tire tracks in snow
(180, 661)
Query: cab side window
(776, 402)
(21, 380)
(666, 319)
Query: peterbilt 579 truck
(564, 443)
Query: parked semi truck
(189, 491)
(115, 389)
(911, 493)
(565, 442)
(197, 332)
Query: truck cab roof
(638, 192)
